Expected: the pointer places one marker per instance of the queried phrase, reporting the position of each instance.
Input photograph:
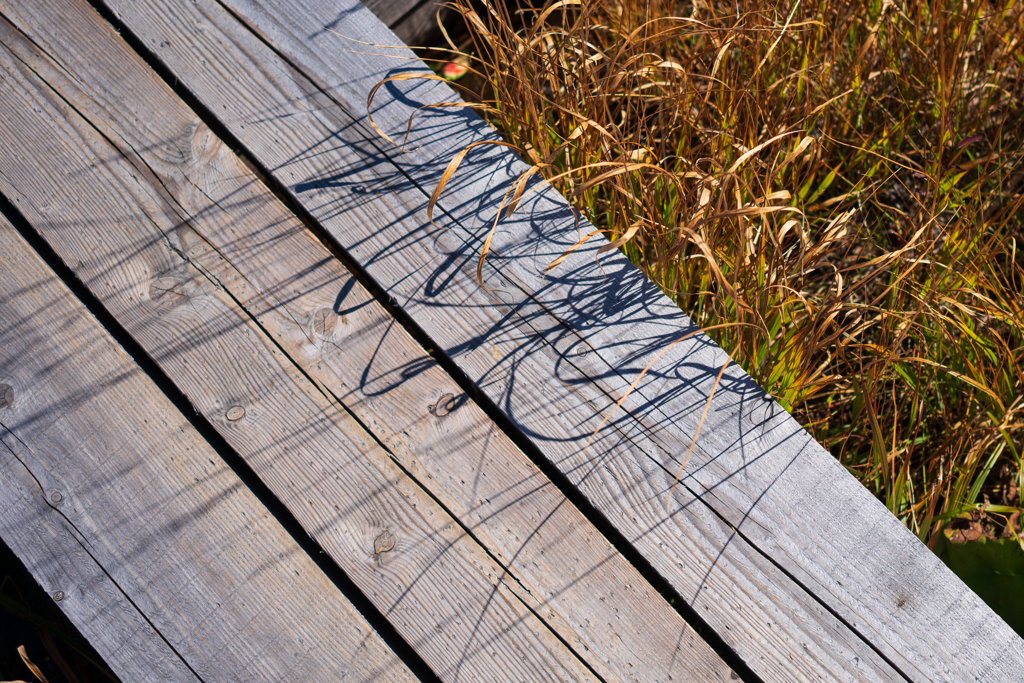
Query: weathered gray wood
(413, 21)
(705, 558)
(705, 554)
(131, 244)
(265, 260)
(164, 560)
(753, 466)
(419, 27)
(61, 563)
(390, 11)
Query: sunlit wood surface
(476, 517)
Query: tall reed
(837, 182)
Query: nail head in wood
(56, 496)
(6, 395)
(235, 413)
(58, 596)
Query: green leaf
(824, 185)
(972, 495)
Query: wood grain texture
(413, 21)
(735, 588)
(390, 11)
(170, 567)
(420, 25)
(130, 243)
(330, 327)
(60, 562)
(704, 556)
(785, 500)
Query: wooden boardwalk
(282, 434)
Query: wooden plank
(131, 245)
(713, 558)
(279, 273)
(415, 22)
(419, 27)
(61, 563)
(163, 559)
(728, 580)
(788, 500)
(389, 11)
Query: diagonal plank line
(522, 441)
(260, 490)
(186, 200)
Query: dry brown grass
(835, 186)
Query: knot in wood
(444, 405)
(6, 395)
(168, 292)
(235, 413)
(323, 322)
(384, 542)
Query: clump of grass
(836, 186)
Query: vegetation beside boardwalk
(37, 641)
(836, 187)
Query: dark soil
(1001, 488)
(29, 617)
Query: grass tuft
(834, 187)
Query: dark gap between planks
(334, 399)
(402, 649)
(408, 13)
(466, 530)
(592, 514)
(595, 516)
(28, 615)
